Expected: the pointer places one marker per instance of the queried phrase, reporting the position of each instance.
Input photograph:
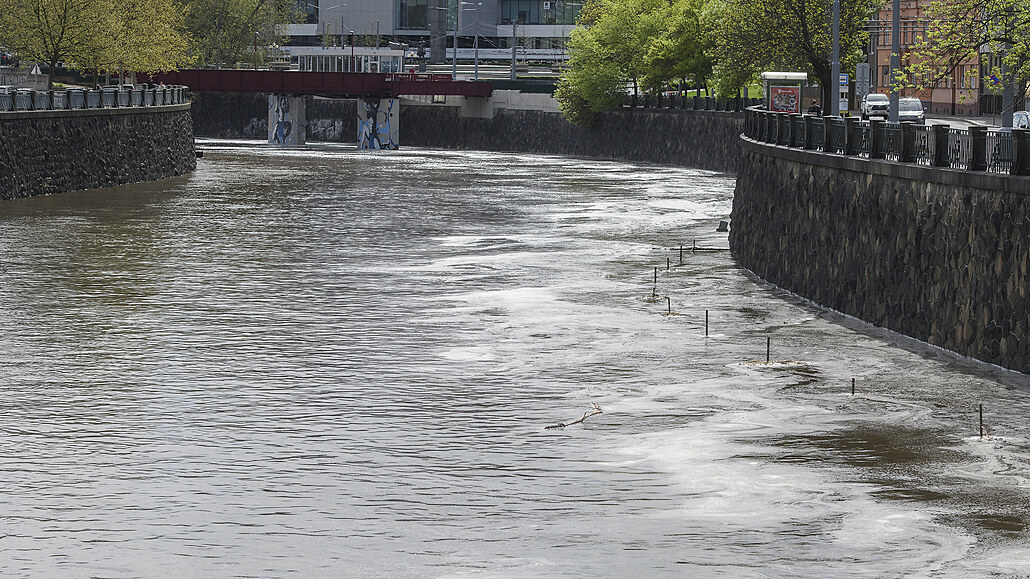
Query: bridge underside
(329, 84)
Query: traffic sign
(844, 79)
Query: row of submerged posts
(80, 98)
(695, 103)
(974, 149)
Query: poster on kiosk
(783, 90)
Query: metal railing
(690, 103)
(976, 149)
(77, 99)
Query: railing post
(941, 138)
(809, 132)
(793, 122)
(770, 130)
(876, 139)
(1020, 152)
(852, 136)
(633, 102)
(829, 144)
(908, 143)
(977, 148)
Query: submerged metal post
(852, 386)
(706, 323)
(768, 347)
(981, 422)
(669, 301)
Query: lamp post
(342, 28)
(477, 5)
(895, 60)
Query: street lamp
(477, 5)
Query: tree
(49, 31)
(138, 36)
(787, 35)
(960, 31)
(608, 52)
(679, 51)
(226, 32)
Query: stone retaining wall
(48, 152)
(703, 139)
(937, 254)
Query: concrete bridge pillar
(379, 123)
(287, 120)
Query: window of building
(413, 15)
(540, 11)
(310, 10)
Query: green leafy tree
(679, 50)
(608, 53)
(226, 32)
(753, 35)
(49, 31)
(959, 31)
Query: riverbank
(45, 152)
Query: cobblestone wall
(937, 254)
(48, 152)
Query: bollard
(668, 300)
(981, 422)
(654, 292)
(768, 347)
(852, 386)
(668, 263)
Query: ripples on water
(324, 362)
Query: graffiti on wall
(286, 122)
(378, 123)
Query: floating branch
(596, 410)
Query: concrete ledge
(73, 113)
(942, 175)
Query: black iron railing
(975, 149)
(76, 98)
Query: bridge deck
(351, 84)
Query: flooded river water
(323, 362)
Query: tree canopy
(789, 35)
(629, 43)
(960, 31)
(136, 35)
(226, 32)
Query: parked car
(875, 105)
(910, 110)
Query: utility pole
(895, 60)
(514, 46)
(1008, 105)
(835, 62)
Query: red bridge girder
(351, 84)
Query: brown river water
(327, 362)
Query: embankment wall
(56, 151)
(941, 255)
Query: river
(326, 362)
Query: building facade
(539, 29)
(969, 89)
